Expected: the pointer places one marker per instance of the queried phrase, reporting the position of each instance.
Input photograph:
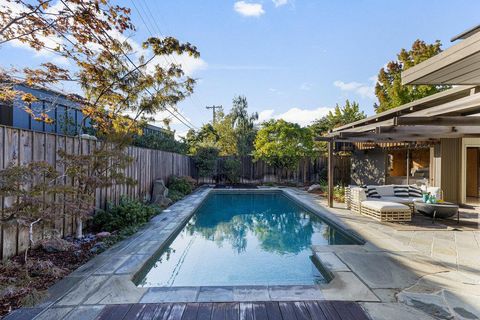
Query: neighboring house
(66, 114)
(434, 140)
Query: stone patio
(395, 274)
(423, 274)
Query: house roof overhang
(453, 113)
(458, 65)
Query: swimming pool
(244, 238)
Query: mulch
(45, 269)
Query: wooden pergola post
(330, 174)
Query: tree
(341, 115)
(282, 144)
(31, 188)
(120, 94)
(389, 89)
(232, 133)
(244, 125)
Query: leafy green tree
(341, 115)
(232, 133)
(282, 144)
(389, 89)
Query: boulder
(314, 187)
(103, 234)
(160, 194)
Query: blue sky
(290, 58)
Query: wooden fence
(19, 146)
(308, 171)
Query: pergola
(454, 113)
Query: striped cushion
(414, 191)
(401, 191)
(372, 193)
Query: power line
(155, 25)
(163, 56)
(126, 56)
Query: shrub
(206, 161)
(339, 193)
(126, 214)
(231, 170)
(179, 187)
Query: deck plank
(301, 311)
(353, 309)
(191, 310)
(315, 311)
(218, 312)
(162, 311)
(134, 312)
(259, 311)
(148, 312)
(176, 312)
(329, 310)
(294, 310)
(246, 311)
(232, 311)
(273, 310)
(204, 311)
(117, 311)
(288, 313)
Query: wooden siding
(450, 169)
(19, 146)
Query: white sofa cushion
(407, 200)
(384, 206)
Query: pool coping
(108, 278)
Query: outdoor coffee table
(442, 210)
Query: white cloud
(249, 9)
(364, 90)
(303, 117)
(306, 86)
(279, 3)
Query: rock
(160, 194)
(56, 245)
(314, 187)
(98, 247)
(103, 234)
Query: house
(66, 114)
(434, 140)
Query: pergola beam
(438, 121)
(428, 130)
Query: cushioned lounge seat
(386, 210)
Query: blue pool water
(244, 239)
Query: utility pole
(214, 108)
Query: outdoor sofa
(387, 202)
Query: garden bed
(17, 289)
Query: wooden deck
(308, 310)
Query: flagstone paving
(396, 274)
(416, 274)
